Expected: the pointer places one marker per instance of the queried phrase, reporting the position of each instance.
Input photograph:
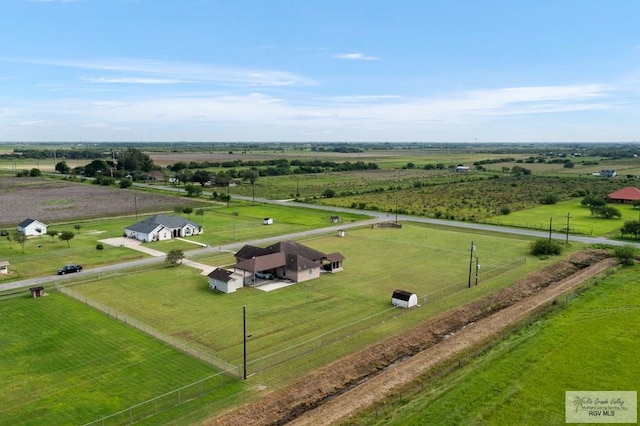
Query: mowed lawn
(580, 219)
(66, 364)
(433, 263)
(43, 255)
(591, 343)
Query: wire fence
(540, 227)
(181, 345)
(165, 402)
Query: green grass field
(589, 343)
(431, 262)
(44, 255)
(580, 221)
(66, 364)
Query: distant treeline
(278, 167)
(57, 153)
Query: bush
(550, 199)
(543, 246)
(328, 193)
(626, 255)
(505, 210)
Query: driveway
(132, 244)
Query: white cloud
(355, 56)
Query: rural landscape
(514, 255)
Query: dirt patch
(348, 384)
(50, 200)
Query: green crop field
(433, 263)
(589, 343)
(66, 364)
(580, 219)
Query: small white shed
(4, 267)
(224, 280)
(404, 299)
(31, 227)
(267, 221)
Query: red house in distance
(625, 195)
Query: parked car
(265, 275)
(67, 269)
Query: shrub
(505, 210)
(328, 193)
(626, 255)
(550, 199)
(543, 246)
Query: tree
(61, 167)
(95, 167)
(20, 238)
(174, 257)
(133, 160)
(606, 212)
(10, 240)
(626, 255)
(636, 204)
(66, 236)
(549, 199)
(631, 228)
(188, 211)
(252, 176)
(328, 193)
(193, 191)
(505, 210)
(126, 183)
(77, 227)
(593, 201)
(200, 212)
(35, 172)
(201, 176)
(52, 233)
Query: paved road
(375, 218)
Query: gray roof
(220, 274)
(171, 222)
(26, 222)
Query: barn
(404, 299)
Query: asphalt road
(375, 217)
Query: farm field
(286, 323)
(66, 364)
(589, 342)
(580, 221)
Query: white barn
(161, 227)
(224, 280)
(404, 299)
(30, 227)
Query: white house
(161, 227)
(404, 299)
(224, 280)
(31, 227)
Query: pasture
(288, 322)
(580, 219)
(590, 342)
(67, 364)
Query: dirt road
(347, 385)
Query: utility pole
(244, 340)
(473, 247)
(477, 269)
(135, 204)
(566, 241)
(550, 222)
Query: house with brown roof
(285, 260)
(625, 195)
(224, 280)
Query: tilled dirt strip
(325, 385)
(380, 385)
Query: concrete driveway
(132, 244)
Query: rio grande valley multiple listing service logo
(601, 407)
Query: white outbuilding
(31, 227)
(404, 299)
(224, 280)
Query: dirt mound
(335, 378)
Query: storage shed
(37, 291)
(404, 299)
(224, 280)
(4, 267)
(267, 221)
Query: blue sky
(307, 70)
